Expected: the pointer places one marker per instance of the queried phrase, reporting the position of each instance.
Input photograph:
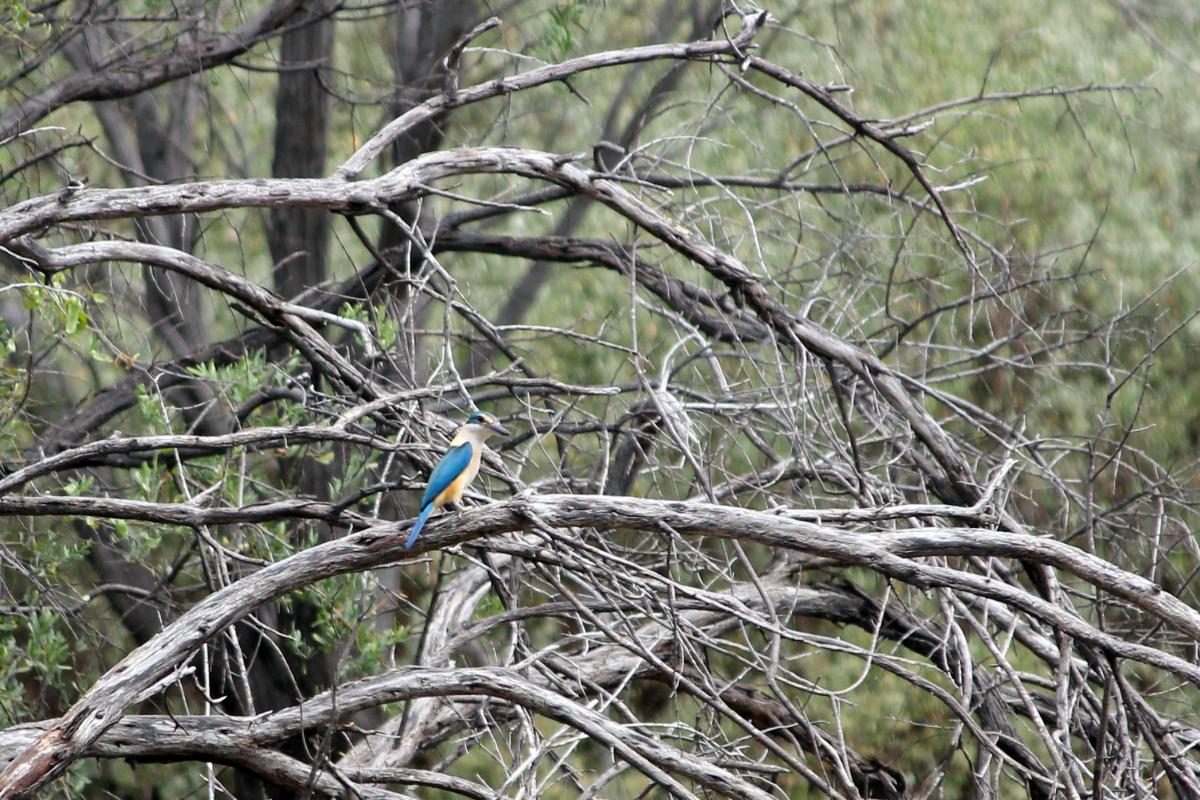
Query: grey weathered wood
(893, 554)
(403, 183)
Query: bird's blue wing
(449, 468)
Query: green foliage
(11, 656)
(489, 606)
(241, 379)
(15, 18)
(373, 648)
(34, 648)
(379, 319)
(46, 650)
(62, 308)
(565, 22)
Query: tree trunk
(298, 237)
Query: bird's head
(485, 425)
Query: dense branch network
(769, 469)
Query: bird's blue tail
(420, 523)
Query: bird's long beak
(497, 428)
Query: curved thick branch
(406, 182)
(892, 554)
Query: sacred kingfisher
(457, 468)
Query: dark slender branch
(111, 81)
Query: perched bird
(457, 468)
